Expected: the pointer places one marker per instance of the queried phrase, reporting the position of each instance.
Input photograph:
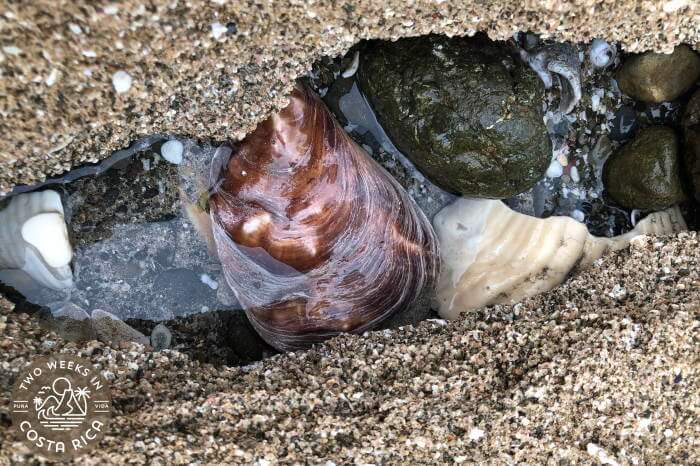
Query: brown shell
(315, 238)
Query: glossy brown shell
(314, 237)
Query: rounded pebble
(161, 337)
(172, 151)
(121, 80)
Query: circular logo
(60, 406)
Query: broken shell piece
(161, 337)
(34, 238)
(601, 53)
(557, 63)
(494, 255)
(111, 329)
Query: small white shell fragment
(12, 50)
(354, 65)
(476, 434)
(172, 151)
(575, 177)
(34, 239)
(51, 78)
(210, 282)
(122, 81)
(601, 53)
(675, 5)
(111, 9)
(578, 215)
(217, 30)
(74, 28)
(555, 170)
(494, 255)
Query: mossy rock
(645, 173)
(462, 109)
(657, 77)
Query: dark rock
(658, 77)
(161, 338)
(462, 109)
(691, 140)
(181, 290)
(645, 173)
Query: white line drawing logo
(60, 406)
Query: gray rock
(110, 329)
(161, 338)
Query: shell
(494, 255)
(557, 63)
(34, 238)
(314, 237)
(601, 53)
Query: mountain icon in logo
(61, 407)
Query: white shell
(34, 238)
(601, 53)
(494, 255)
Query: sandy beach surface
(603, 369)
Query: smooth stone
(464, 112)
(645, 173)
(691, 139)
(112, 330)
(72, 323)
(657, 77)
(161, 337)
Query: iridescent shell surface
(314, 237)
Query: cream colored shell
(494, 255)
(34, 238)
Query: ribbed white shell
(44, 255)
(494, 255)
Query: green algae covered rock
(645, 173)
(462, 109)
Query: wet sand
(605, 367)
(213, 69)
(585, 373)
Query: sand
(603, 369)
(606, 366)
(213, 69)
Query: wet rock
(161, 338)
(658, 77)
(71, 322)
(691, 139)
(464, 111)
(110, 329)
(181, 290)
(624, 124)
(645, 173)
